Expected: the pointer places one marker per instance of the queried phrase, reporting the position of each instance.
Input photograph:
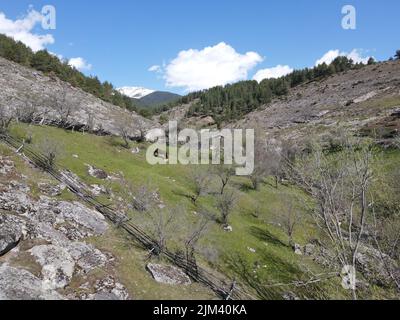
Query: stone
(51, 190)
(86, 256)
(298, 249)
(97, 173)
(14, 198)
(6, 166)
(57, 265)
(290, 296)
(10, 232)
(309, 249)
(228, 229)
(98, 190)
(168, 274)
(19, 284)
(109, 289)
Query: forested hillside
(233, 101)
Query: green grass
(273, 260)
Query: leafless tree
(196, 232)
(124, 129)
(161, 225)
(289, 217)
(90, 122)
(200, 179)
(340, 186)
(225, 205)
(224, 173)
(51, 150)
(260, 169)
(64, 105)
(140, 199)
(6, 118)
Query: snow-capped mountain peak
(135, 92)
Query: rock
(19, 284)
(14, 198)
(86, 256)
(290, 296)
(57, 265)
(298, 249)
(228, 229)
(98, 190)
(97, 173)
(6, 166)
(51, 190)
(168, 274)
(10, 232)
(109, 289)
(309, 249)
(87, 221)
(370, 264)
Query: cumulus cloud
(356, 55)
(272, 73)
(79, 63)
(212, 66)
(23, 30)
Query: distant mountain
(158, 97)
(135, 92)
(144, 97)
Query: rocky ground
(43, 249)
(29, 91)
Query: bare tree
(196, 232)
(140, 199)
(339, 183)
(200, 179)
(6, 118)
(64, 105)
(124, 129)
(51, 150)
(90, 122)
(225, 205)
(289, 217)
(161, 225)
(224, 173)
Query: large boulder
(19, 284)
(57, 265)
(168, 274)
(10, 232)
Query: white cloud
(79, 63)
(272, 73)
(22, 30)
(355, 55)
(212, 66)
(155, 68)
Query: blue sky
(122, 39)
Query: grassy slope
(273, 261)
